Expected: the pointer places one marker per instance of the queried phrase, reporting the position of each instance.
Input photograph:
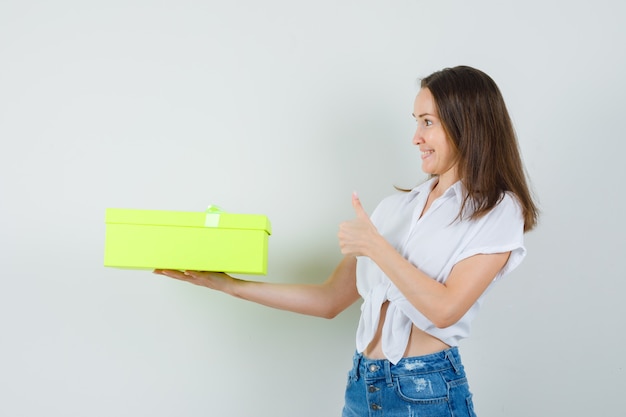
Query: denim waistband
(384, 369)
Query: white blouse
(433, 243)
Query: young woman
(425, 258)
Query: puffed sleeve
(500, 230)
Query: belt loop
(450, 357)
(387, 366)
(357, 365)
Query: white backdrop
(284, 108)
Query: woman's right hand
(214, 280)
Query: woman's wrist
(378, 248)
(232, 286)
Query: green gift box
(201, 241)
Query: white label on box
(212, 220)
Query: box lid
(188, 219)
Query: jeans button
(376, 407)
(372, 388)
(373, 368)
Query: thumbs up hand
(358, 236)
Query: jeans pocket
(422, 389)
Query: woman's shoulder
(509, 202)
(508, 211)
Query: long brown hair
(477, 123)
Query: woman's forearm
(321, 300)
(443, 304)
(309, 299)
(327, 299)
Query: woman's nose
(417, 137)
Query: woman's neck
(443, 182)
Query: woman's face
(438, 155)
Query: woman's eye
(424, 122)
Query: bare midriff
(420, 343)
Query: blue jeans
(421, 386)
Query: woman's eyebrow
(422, 115)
